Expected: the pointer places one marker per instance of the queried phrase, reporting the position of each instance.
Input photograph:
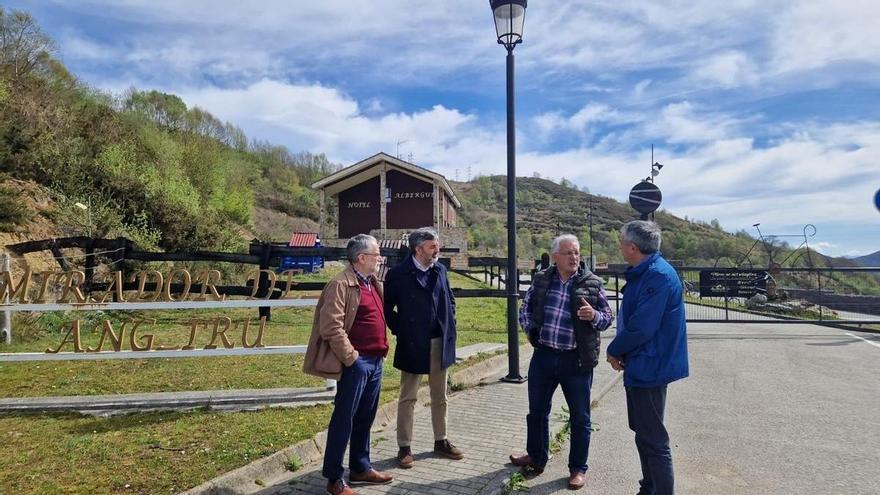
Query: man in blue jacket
(650, 348)
(420, 311)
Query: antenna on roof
(398, 148)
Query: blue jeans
(547, 370)
(357, 398)
(644, 408)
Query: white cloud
(323, 119)
(550, 123)
(728, 69)
(76, 47)
(684, 123)
(816, 33)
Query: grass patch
(293, 464)
(516, 483)
(168, 452)
(559, 440)
(69, 453)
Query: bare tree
(23, 45)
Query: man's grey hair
(554, 246)
(645, 235)
(424, 234)
(358, 244)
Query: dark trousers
(644, 407)
(357, 398)
(547, 370)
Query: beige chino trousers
(409, 389)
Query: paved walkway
(487, 422)
(769, 408)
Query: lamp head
(509, 19)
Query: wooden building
(387, 197)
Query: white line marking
(865, 340)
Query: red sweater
(367, 333)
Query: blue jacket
(651, 332)
(409, 312)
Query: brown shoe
(370, 477)
(339, 488)
(525, 462)
(577, 480)
(446, 449)
(405, 458)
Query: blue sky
(761, 111)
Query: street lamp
(509, 18)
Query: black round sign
(645, 197)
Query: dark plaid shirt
(558, 329)
(364, 280)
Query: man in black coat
(420, 311)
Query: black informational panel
(732, 283)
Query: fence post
(726, 308)
(265, 255)
(121, 251)
(90, 265)
(7, 315)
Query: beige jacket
(329, 348)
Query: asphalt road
(767, 409)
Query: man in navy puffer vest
(562, 314)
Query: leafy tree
(23, 45)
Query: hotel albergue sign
(173, 289)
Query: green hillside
(545, 209)
(152, 169)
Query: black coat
(408, 309)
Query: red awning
(303, 239)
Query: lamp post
(509, 18)
(655, 171)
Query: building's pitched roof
(397, 162)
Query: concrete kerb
(274, 468)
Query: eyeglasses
(372, 254)
(569, 253)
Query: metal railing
(792, 295)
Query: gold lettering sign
(221, 327)
(72, 335)
(25, 289)
(34, 287)
(107, 330)
(8, 286)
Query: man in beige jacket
(349, 344)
